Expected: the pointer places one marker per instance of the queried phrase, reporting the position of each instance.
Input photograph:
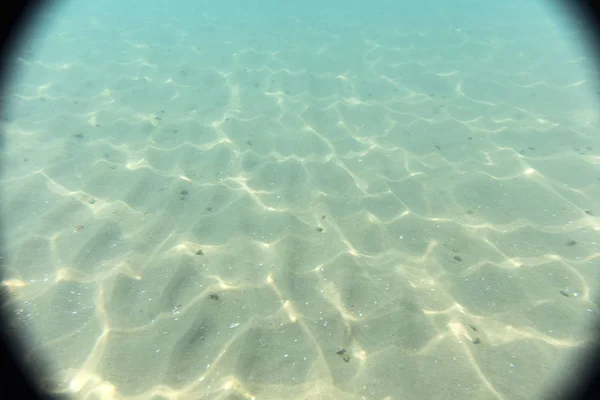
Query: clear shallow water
(305, 200)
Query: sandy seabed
(345, 218)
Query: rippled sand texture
(198, 208)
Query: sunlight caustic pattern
(349, 218)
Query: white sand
(408, 203)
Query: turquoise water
(274, 200)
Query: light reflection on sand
(253, 228)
